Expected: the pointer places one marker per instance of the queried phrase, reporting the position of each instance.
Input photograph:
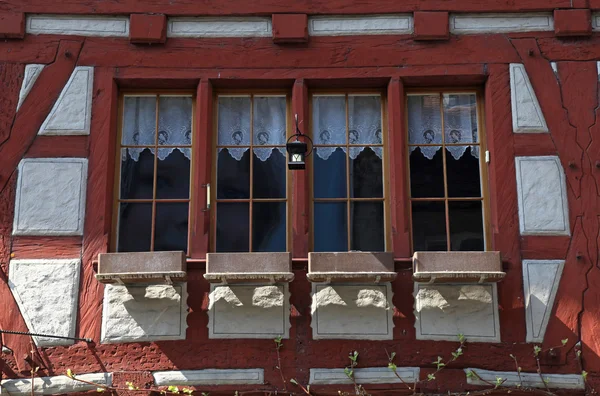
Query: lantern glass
(297, 152)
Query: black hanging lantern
(297, 149)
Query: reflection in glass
(364, 119)
(426, 175)
(137, 175)
(366, 175)
(171, 227)
(268, 227)
(139, 121)
(269, 120)
(329, 120)
(173, 176)
(234, 121)
(429, 226)
(330, 175)
(269, 176)
(175, 120)
(466, 225)
(463, 175)
(424, 119)
(135, 227)
(460, 118)
(233, 177)
(367, 226)
(331, 227)
(233, 227)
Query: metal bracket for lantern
(298, 149)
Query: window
(153, 187)
(349, 197)
(445, 161)
(251, 173)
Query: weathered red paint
(569, 23)
(290, 28)
(300, 191)
(431, 25)
(58, 146)
(147, 29)
(12, 25)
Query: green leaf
(131, 386)
(461, 338)
(187, 391)
(470, 374)
(537, 350)
(293, 381)
(584, 375)
(392, 355)
(392, 367)
(70, 374)
(100, 390)
(430, 377)
(205, 393)
(564, 342)
(173, 389)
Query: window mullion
(348, 200)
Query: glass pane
(233, 176)
(139, 121)
(329, 173)
(135, 227)
(460, 118)
(462, 173)
(329, 120)
(171, 232)
(234, 121)
(366, 175)
(367, 226)
(137, 173)
(429, 226)
(175, 120)
(269, 175)
(424, 119)
(466, 225)
(233, 227)
(269, 120)
(364, 120)
(331, 227)
(173, 175)
(427, 173)
(268, 227)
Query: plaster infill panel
(78, 25)
(500, 23)
(529, 380)
(542, 196)
(345, 25)
(32, 72)
(352, 311)
(249, 311)
(210, 377)
(219, 27)
(367, 375)
(47, 292)
(443, 311)
(527, 115)
(50, 198)
(144, 313)
(59, 384)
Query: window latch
(207, 186)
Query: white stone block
(210, 377)
(527, 116)
(529, 380)
(542, 196)
(352, 311)
(59, 384)
(368, 375)
(50, 197)
(345, 25)
(249, 311)
(596, 21)
(78, 25)
(443, 311)
(72, 112)
(220, 27)
(144, 313)
(32, 72)
(540, 283)
(47, 292)
(500, 23)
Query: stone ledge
(54, 385)
(457, 267)
(367, 375)
(210, 377)
(533, 380)
(249, 277)
(362, 277)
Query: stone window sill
(249, 268)
(457, 267)
(351, 267)
(142, 267)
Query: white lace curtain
(425, 124)
(174, 125)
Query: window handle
(207, 186)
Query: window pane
(233, 227)
(139, 121)
(175, 120)
(367, 226)
(460, 118)
(233, 174)
(329, 120)
(429, 226)
(364, 119)
(135, 227)
(424, 119)
(171, 232)
(329, 175)
(269, 176)
(173, 175)
(466, 225)
(269, 120)
(462, 173)
(234, 121)
(331, 227)
(268, 227)
(137, 173)
(366, 174)
(427, 173)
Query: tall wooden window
(445, 155)
(153, 186)
(251, 173)
(349, 197)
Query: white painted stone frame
(219, 27)
(367, 375)
(59, 384)
(346, 25)
(500, 23)
(531, 380)
(78, 25)
(210, 377)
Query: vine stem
(539, 370)
(279, 366)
